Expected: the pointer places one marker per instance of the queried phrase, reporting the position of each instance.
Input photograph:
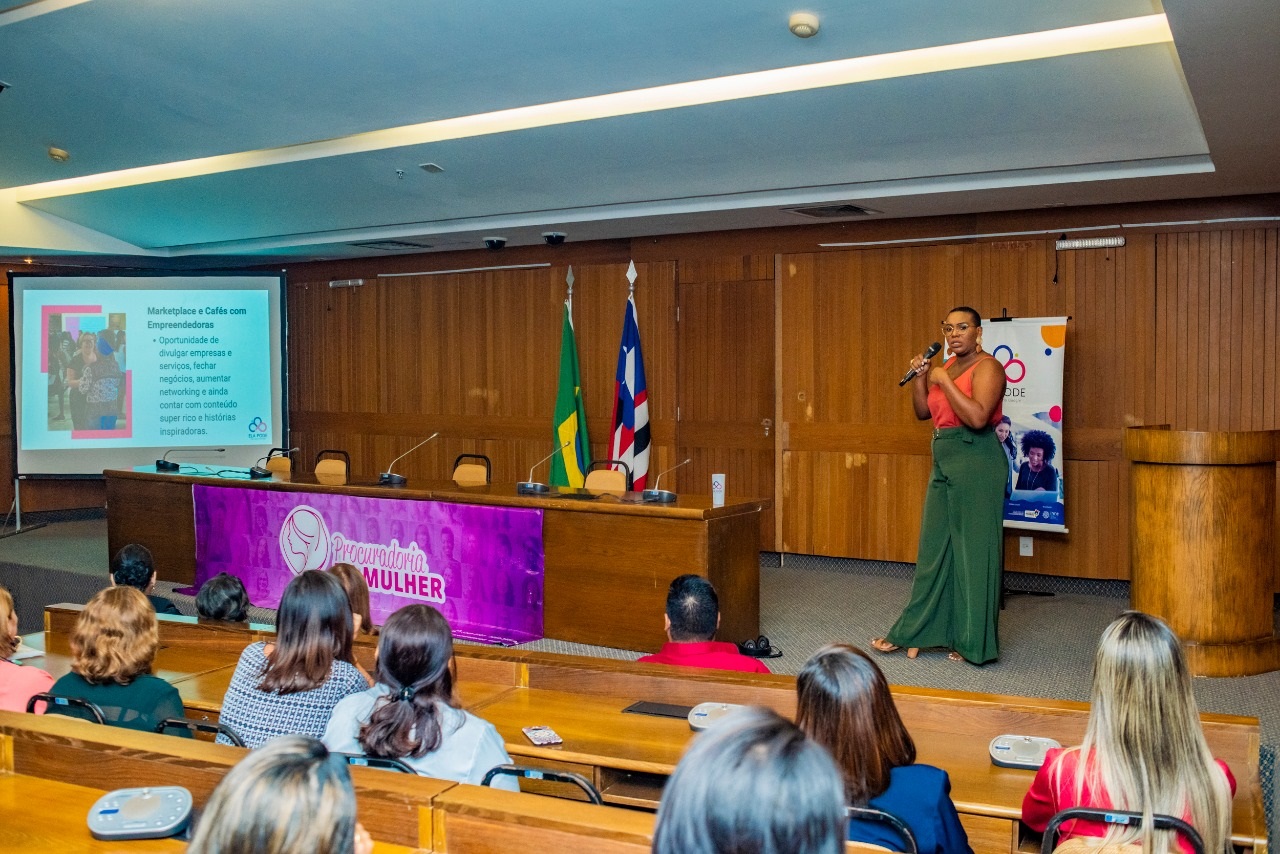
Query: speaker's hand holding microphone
(920, 364)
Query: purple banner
(480, 566)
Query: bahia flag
(568, 468)
(630, 440)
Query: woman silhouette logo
(304, 540)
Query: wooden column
(1203, 523)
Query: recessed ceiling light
(803, 24)
(433, 168)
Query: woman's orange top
(940, 408)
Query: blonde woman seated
(1143, 750)
(292, 685)
(844, 704)
(411, 714)
(290, 796)
(112, 648)
(17, 683)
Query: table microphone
(163, 463)
(390, 478)
(257, 472)
(531, 487)
(928, 354)
(662, 496)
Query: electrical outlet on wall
(1025, 547)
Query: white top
(469, 748)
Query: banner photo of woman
(1032, 350)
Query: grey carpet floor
(1046, 643)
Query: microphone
(163, 463)
(257, 472)
(531, 487)
(662, 496)
(928, 354)
(390, 478)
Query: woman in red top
(956, 594)
(1143, 750)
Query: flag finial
(631, 277)
(568, 278)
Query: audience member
(292, 685)
(352, 581)
(290, 796)
(17, 683)
(112, 648)
(411, 713)
(1143, 750)
(844, 704)
(223, 598)
(752, 784)
(693, 616)
(133, 567)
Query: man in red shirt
(693, 615)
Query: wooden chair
(56, 705)
(899, 826)
(1094, 846)
(477, 473)
(602, 476)
(279, 461)
(526, 772)
(332, 471)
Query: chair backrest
(207, 727)
(526, 772)
(899, 826)
(609, 476)
(335, 469)
(478, 472)
(281, 462)
(72, 707)
(377, 762)
(1134, 819)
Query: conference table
(607, 559)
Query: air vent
(832, 211)
(392, 245)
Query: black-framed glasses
(948, 328)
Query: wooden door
(726, 387)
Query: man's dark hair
(1039, 439)
(132, 567)
(693, 608)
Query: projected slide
(111, 372)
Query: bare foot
(955, 656)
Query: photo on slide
(85, 355)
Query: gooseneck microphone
(390, 478)
(928, 354)
(258, 472)
(662, 496)
(163, 463)
(530, 486)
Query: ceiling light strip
(1087, 38)
(1037, 233)
(465, 270)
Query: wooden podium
(1203, 543)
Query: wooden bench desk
(38, 816)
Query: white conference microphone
(662, 496)
(163, 463)
(390, 478)
(531, 487)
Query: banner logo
(304, 540)
(1010, 362)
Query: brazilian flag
(569, 467)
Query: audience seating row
(628, 757)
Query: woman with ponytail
(411, 713)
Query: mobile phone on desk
(542, 735)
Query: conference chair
(526, 772)
(206, 727)
(279, 461)
(333, 471)
(602, 476)
(1081, 844)
(376, 762)
(898, 825)
(477, 473)
(72, 707)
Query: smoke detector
(803, 24)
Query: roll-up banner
(1032, 350)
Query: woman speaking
(956, 595)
